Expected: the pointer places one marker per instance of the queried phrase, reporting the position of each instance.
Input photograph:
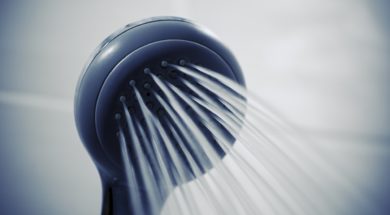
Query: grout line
(36, 101)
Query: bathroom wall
(322, 64)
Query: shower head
(126, 60)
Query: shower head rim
(173, 28)
(109, 89)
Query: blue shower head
(122, 61)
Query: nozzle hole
(182, 62)
(132, 83)
(147, 71)
(147, 85)
(149, 104)
(164, 64)
(122, 98)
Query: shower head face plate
(122, 58)
(130, 72)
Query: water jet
(122, 110)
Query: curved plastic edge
(114, 49)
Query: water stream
(215, 148)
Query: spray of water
(269, 170)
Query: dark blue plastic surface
(127, 50)
(113, 51)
